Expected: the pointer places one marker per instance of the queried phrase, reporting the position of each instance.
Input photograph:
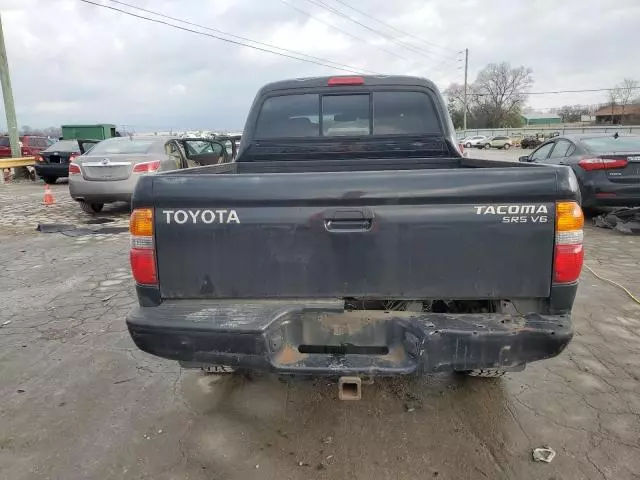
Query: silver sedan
(109, 171)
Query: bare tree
(572, 113)
(613, 99)
(495, 99)
(627, 91)
(502, 92)
(455, 103)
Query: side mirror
(524, 158)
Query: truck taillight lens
(74, 169)
(569, 251)
(39, 158)
(147, 167)
(143, 254)
(602, 163)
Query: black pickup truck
(351, 238)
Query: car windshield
(64, 146)
(612, 144)
(122, 145)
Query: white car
(474, 141)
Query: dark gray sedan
(110, 170)
(607, 166)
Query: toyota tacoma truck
(351, 238)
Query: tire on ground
(91, 207)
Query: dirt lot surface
(79, 401)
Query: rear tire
(50, 180)
(468, 145)
(91, 208)
(486, 373)
(507, 146)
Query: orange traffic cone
(48, 196)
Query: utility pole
(466, 69)
(7, 93)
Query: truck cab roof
(359, 80)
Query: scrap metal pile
(625, 220)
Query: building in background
(619, 115)
(534, 118)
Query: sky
(72, 62)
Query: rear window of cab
(357, 114)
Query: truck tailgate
(428, 234)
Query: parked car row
(30, 145)
(506, 141)
(108, 171)
(482, 141)
(105, 171)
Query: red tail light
(569, 252)
(143, 253)
(602, 163)
(143, 266)
(337, 81)
(74, 169)
(39, 158)
(147, 167)
(567, 263)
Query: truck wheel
(50, 180)
(486, 373)
(91, 207)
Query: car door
(540, 154)
(5, 147)
(202, 151)
(86, 145)
(562, 149)
(175, 154)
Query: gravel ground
(79, 401)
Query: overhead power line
(345, 32)
(553, 92)
(391, 27)
(291, 55)
(407, 46)
(578, 91)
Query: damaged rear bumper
(315, 337)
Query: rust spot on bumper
(289, 355)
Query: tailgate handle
(348, 220)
